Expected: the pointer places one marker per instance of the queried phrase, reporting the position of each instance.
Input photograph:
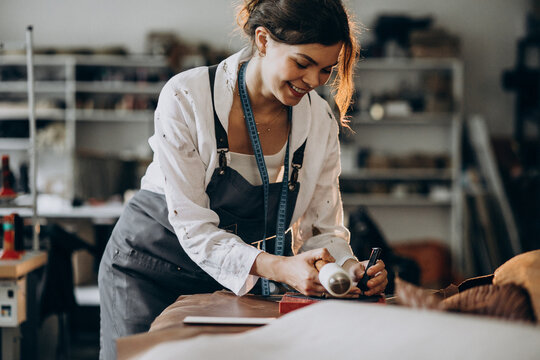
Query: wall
(488, 28)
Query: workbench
(15, 299)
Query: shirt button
(179, 268)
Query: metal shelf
(398, 174)
(407, 64)
(403, 133)
(87, 60)
(25, 212)
(81, 115)
(53, 87)
(119, 87)
(29, 87)
(39, 60)
(16, 144)
(22, 114)
(442, 119)
(355, 200)
(9, 206)
(63, 69)
(115, 115)
(120, 61)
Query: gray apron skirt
(144, 268)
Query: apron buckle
(294, 176)
(222, 160)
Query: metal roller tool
(333, 278)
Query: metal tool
(334, 279)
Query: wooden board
(14, 269)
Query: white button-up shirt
(185, 156)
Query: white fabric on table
(345, 330)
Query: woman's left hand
(378, 273)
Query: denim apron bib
(144, 267)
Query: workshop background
(440, 166)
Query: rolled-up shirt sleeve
(223, 255)
(321, 226)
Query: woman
(217, 185)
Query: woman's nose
(312, 79)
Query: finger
(320, 263)
(379, 266)
(377, 280)
(377, 290)
(358, 271)
(316, 290)
(355, 291)
(325, 255)
(313, 256)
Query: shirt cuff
(240, 260)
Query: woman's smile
(296, 91)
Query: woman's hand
(297, 271)
(378, 273)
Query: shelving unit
(403, 161)
(27, 144)
(93, 97)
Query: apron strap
(223, 142)
(221, 135)
(296, 164)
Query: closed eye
(329, 69)
(300, 65)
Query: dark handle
(375, 255)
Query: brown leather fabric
(512, 292)
(169, 326)
(507, 302)
(220, 303)
(522, 270)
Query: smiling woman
(243, 152)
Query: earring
(262, 54)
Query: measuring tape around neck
(257, 149)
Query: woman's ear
(261, 40)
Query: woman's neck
(261, 98)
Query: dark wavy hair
(297, 22)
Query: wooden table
(169, 325)
(13, 298)
(14, 269)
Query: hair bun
(251, 5)
(244, 11)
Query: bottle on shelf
(10, 248)
(7, 190)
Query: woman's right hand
(297, 271)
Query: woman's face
(291, 71)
